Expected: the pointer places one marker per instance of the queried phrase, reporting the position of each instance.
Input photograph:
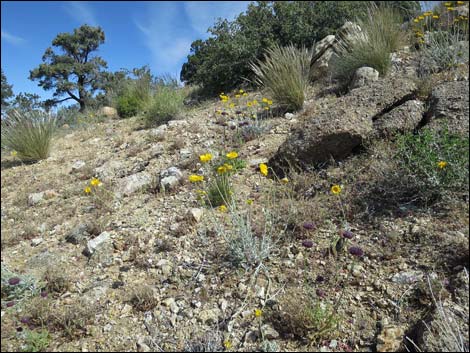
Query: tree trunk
(82, 106)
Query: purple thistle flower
(10, 304)
(43, 294)
(307, 243)
(320, 292)
(14, 281)
(25, 320)
(309, 225)
(347, 234)
(356, 251)
(320, 278)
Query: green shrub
(420, 156)
(164, 105)
(381, 35)
(37, 341)
(28, 133)
(220, 191)
(284, 75)
(128, 105)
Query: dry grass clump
(142, 298)
(57, 281)
(28, 134)
(71, 319)
(284, 74)
(301, 316)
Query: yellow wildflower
(265, 100)
(266, 108)
(205, 157)
(222, 169)
(95, 182)
(87, 190)
(442, 164)
(245, 94)
(460, 2)
(255, 102)
(201, 192)
(450, 9)
(436, 17)
(223, 208)
(258, 312)
(447, 4)
(228, 166)
(194, 178)
(241, 91)
(237, 96)
(14, 153)
(336, 189)
(270, 102)
(263, 168)
(227, 344)
(232, 155)
(416, 20)
(421, 17)
(232, 105)
(218, 111)
(249, 104)
(284, 180)
(249, 202)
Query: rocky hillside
(343, 256)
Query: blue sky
(137, 32)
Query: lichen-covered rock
(449, 107)
(342, 126)
(363, 76)
(133, 183)
(404, 118)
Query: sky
(137, 33)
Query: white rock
(35, 198)
(36, 241)
(76, 166)
(97, 242)
(133, 183)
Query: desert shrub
(15, 287)
(142, 298)
(28, 133)
(284, 74)
(36, 341)
(128, 105)
(444, 50)
(435, 162)
(56, 280)
(304, 317)
(165, 104)
(381, 35)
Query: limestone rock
(449, 105)
(363, 76)
(404, 118)
(108, 112)
(336, 130)
(133, 183)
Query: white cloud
(81, 12)
(203, 14)
(12, 39)
(169, 28)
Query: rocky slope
(141, 268)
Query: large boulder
(404, 118)
(326, 48)
(337, 129)
(449, 107)
(108, 112)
